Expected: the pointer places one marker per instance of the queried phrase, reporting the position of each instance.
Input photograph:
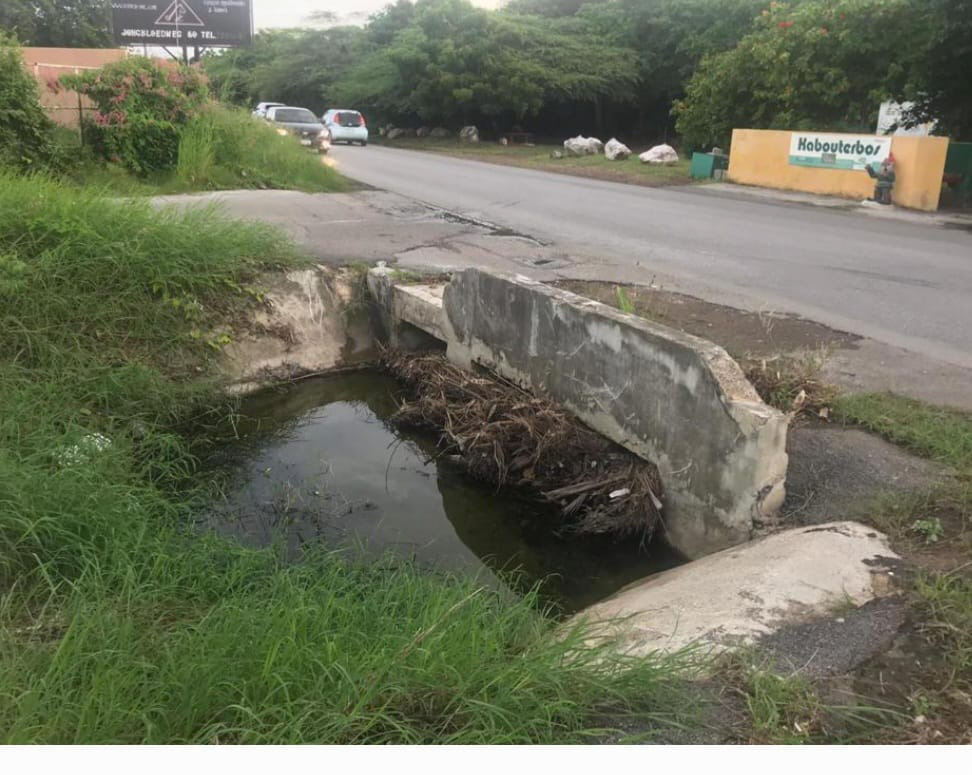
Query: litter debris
(90, 445)
(507, 436)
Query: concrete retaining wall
(669, 397)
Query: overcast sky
(295, 13)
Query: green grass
(782, 709)
(222, 148)
(947, 603)
(941, 434)
(630, 170)
(120, 624)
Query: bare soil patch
(741, 333)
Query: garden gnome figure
(884, 180)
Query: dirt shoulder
(847, 361)
(538, 157)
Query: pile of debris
(507, 436)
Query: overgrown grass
(222, 148)
(120, 624)
(792, 383)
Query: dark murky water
(318, 461)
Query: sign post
(185, 23)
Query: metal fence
(64, 106)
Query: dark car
(301, 123)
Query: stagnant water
(318, 460)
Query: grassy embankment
(538, 157)
(119, 624)
(222, 148)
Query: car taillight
(361, 121)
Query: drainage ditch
(319, 459)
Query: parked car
(301, 123)
(346, 126)
(261, 109)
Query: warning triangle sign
(179, 14)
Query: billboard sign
(892, 118)
(839, 152)
(216, 23)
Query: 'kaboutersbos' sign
(840, 152)
(216, 23)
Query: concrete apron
(736, 596)
(674, 399)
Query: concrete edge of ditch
(669, 397)
(735, 597)
(302, 328)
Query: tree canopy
(807, 65)
(634, 67)
(62, 23)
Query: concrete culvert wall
(301, 329)
(674, 399)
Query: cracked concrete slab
(739, 595)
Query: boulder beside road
(660, 154)
(469, 134)
(616, 150)
(583, 146)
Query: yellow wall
(760, 157)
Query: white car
(346, 126)
(263, 107)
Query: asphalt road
(902, 283)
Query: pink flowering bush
(140, 111)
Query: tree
(387, 23)
(299, 67)
(818, 64)
(62, 23)
(454, 63)
(667, 40)
(945, 94)
(552, 8)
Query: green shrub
(140, 111)
(26, 139)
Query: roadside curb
(836, 203)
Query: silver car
(346, 126)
